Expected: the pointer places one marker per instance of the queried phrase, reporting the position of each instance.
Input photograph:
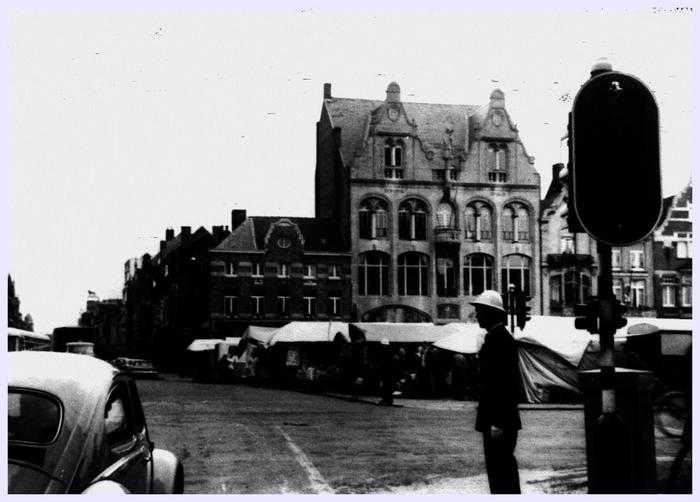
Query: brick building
(437, 201)
(273, 270)
(673, 257)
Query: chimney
(238, 216)
(217, 233)
(185, 232)
(393, 93)
(162, 245)
(169, 234)
(327, 91)
(556, 169)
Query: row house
(437, 201)
(673, 257)
(648, 276)
(273, 270)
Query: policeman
(497, 417)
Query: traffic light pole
(610, 435)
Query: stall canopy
(259, 334)
(558, 334)
(303, 332)
(401, 332)
(462, 338)
(203, 344)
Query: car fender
(168, 474)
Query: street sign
(616, 178)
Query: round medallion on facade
(496, 119)
(284, 242)
(393, 113)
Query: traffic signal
(613, 316)
(521, 309)
(615, 190)
(588, 316)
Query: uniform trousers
(501, 466)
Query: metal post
(611, 434)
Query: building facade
(673, 257)
(438, 203)
(273, 270)
(569, 266)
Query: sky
(124, 122)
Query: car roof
(59, 373)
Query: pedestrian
(388, 364)
(497, 417)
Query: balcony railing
(448, 234)
(568, 259)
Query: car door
(130, 459)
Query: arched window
(373, 274)
(413, 217)
(373, 219)
(516, 223)
(515, 269)
(445, 217)
(478, 273)
(575, 289)
(393, 159)
(477, 218)
(413, 274)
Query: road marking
(318, 484)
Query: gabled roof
(178, 242)
(319, 234)
(353, 117)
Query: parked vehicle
(87, 348)
(76, 425)
(137, 368)
(20, 339)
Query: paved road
(252, 440)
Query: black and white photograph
(327, 248)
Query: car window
(117, 423)
(32, 417)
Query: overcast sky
(123, 123)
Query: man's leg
(501, 466)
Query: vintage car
(76, 425)
(137, 368)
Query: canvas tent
(463, 338)
(401, 332)
(305, 332)
(258, 334)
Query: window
(637, 259)
(413, 274)
(231, 306)
(413, 217)
(516, 270)
(575, 289)
(478, 274)
(566, 244)
(309, 272)
(497, 163)
(669, 284)
(445, 216)
(638, 294)
(310, 306)
(232, 268)
(683, 249)
(256, 269)
(32, 417)
(555, 290)
(497, 177)
(477, 218)
(686, 291)
(516, 223)
(118, 426)
(283, 270)
(393, 159)
(445, 276)
(616, 259)
(373, 274)
(453, 174)
(283, 306)
(448, 311)
(334, 271)
(257, 305)
(373, 219)
(335, 306)
(617, 291)
(438, 175)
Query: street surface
(238, 439)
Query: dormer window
(393, 159)
(497, 163)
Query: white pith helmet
(489, 298)
(384, 341)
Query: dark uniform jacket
(500, 381)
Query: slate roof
(319, 234)
(177, 242)
(353, 117)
